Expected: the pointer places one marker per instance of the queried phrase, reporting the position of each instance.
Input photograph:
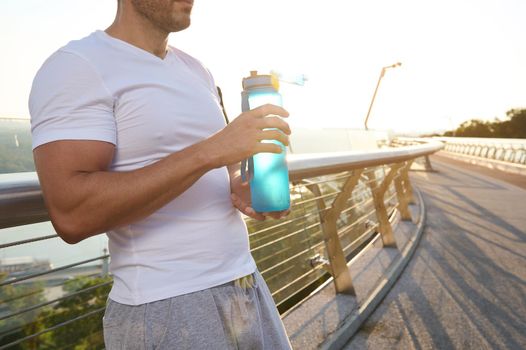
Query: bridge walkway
(465, 287)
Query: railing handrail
(504, 154)
(317, 164)
(481, 140)
(21, 200)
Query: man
(129, 139)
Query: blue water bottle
(268, 173)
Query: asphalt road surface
(465, 287)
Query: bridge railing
(505, 150)
(340, 202)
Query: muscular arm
(84, 199)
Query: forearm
(94, 202)
(84, 199)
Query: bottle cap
(256, 80)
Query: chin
(179, 26)
(177, 22)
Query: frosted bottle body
(269, 176)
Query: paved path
(514, 179)
(465, 287)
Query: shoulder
(90, 48)
(66, 75)
(64, 71)
(69, 100)
(61, 64)
(92, 54)
(71, 60)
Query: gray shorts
(223, 317)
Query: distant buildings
(22, 265)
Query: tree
(13, 298)
(474, 128)
(89, 294)
(513, 127)
(85, 333)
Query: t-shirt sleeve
(69, 101)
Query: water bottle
(268, 172)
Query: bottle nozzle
(295, 79)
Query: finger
(268, 148)
(273, 214)
(274, 122)
(240, 205)
(277, 214)
(282, 214)
(268, 109)
(244, 208)
(253, 214)
(274, 135)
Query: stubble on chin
(168, 15)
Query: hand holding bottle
(242, 137)
(241, 199)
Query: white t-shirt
(102, 88)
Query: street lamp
(382, 73)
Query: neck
(135, 29)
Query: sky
(461, 59)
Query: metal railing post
(378, 192)
(105, 263)
(428, 165)
(408, 189)
(320, 203)
(337, 262)
(403, 200)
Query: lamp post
(382, 73)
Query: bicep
(60, 161)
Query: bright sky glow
(461, 59)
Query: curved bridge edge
(339, 338)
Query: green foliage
(513, 127)
(14, 298)
(475, 128)
(82, 334)
(85, 333)
(15, 147)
